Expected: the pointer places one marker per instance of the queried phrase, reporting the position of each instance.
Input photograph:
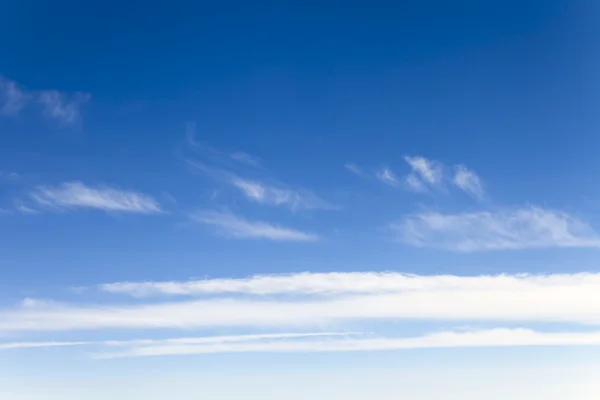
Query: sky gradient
(299, 200)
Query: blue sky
(320, 200)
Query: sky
(299, 200)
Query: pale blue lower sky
(465, 374)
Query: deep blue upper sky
(508, 88)
(318, 78)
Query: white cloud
(324, 342)
(55, 104)
(426, 174)
(35, 345)
(61, 106)
(278, 196)
(12, 98)
(227, 338)
(343, 283)
(429, 172)
(388, 177)
(72, 195)
(499, 337)
(186, 341)
(530, 227)
(557, 298)
(230, 225)
(263, 193)
(468, 181)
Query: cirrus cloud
(61, 106)
(230, 225)
(77, 195)
(511, 229)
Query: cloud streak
(323, 342)
(37, 345)
(500, 337)
(230, 225)
(356, 170)
(278, 196)
(262, 192)
(525, 299)
(76, 195)
(141, 344)
(344, 283)
(522, 228)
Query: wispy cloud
(279, 196)
(426, 175)
(12, 98)
(220, 166)
(530, 227)
(385, 174)
(9, 176)
(388, 177)
(62, 107)
(499, 337)
(230, 225)
(355, 169)
(37, 345)
(139, 348)
(245, 158)
(557, 298)
(273, 194)
(468, 181)
(325, 342)
(344, 283)
(21, 208)
(218, 155)
(72, 195)
(429, 172)
(415, 184)
(140, 345)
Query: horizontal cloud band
(351, 297)
(324, 342)
(335, 283)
